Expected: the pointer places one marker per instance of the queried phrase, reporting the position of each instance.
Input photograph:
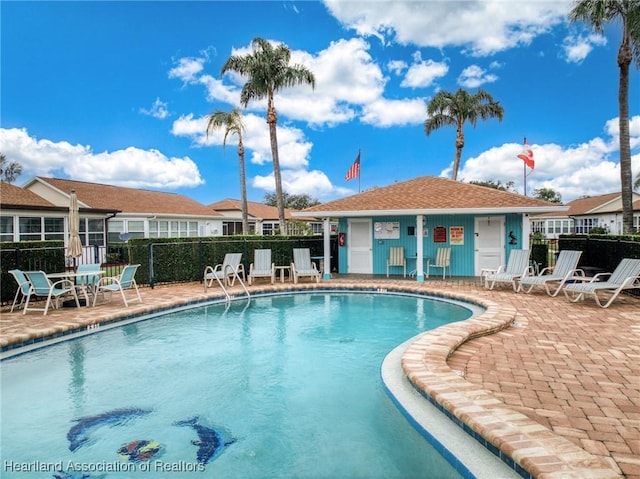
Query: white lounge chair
(565, 268)
(225, 273)
(625, 276)
(443, 260)
(262, 266)
(41, 286)
(396, 258)
(121, 283)
(516, 268)
(302, 265)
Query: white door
(489, 243)
(359, 256)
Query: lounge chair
(396, 258)
(565, 268)
(42, 287)
(121, 283)
(625, 276)
(443, 260)
(302, 265)
(516, 268)
(225, 273)
(262, 266)
(23, 287)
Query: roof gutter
(431, 212)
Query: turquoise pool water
(284, 386)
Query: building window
(54, 229)
(115, 228)
(30, 228)
(231, 228)
(584, 225)
(95, 232)
(135, 229)
(636, 223)
(269, 228)
(6, 228)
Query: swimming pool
(286, 385)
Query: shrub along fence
(169, 260)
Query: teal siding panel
(462, 256)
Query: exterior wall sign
(456, 235)
(439, 234)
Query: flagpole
(359, 170)
(524, 171)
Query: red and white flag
(527, 155)
(354, 171)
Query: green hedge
(27, 256)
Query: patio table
(73, 275)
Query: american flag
(354, 171)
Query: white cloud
(387, 113)
(158, 110)
(474, 76)
(577, 47)
(131, 167)
(436, 24)
(423, 73)
(187, 69)
(589, 168)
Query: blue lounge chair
(23, 287)
(114, 284)
(43, 287)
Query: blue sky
(119, 92)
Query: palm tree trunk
(459, 146)
(272, 120)
(626, 179)
(243, 189)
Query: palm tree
(636, 185)
(454, 109)
(232, 124)
(268, 71)
(598, 13)
(9, 171)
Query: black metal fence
(177, 260)
(161, 261)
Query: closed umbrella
(74, 248)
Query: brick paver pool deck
(551, 384)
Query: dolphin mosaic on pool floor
(551, 387)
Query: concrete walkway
(554, 386)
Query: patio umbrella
(74, 248)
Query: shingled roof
(256, 210)
(590, 205)
(130, 200)
(431, 195)
(12, 196)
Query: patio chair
(566, 267)
(302, 265)
(226, 272)
(396, 258)
(121, 283)
(443, 260)
(625, 276)
(43, 287)
(262, 267)
(516, 268)
(23, 287)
